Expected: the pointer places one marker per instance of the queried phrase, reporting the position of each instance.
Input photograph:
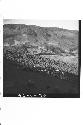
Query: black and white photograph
(41, 58)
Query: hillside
(65, 39)
(52, 43)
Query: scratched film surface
(40, 61)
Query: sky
(66, 24)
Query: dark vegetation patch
(17, 79)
